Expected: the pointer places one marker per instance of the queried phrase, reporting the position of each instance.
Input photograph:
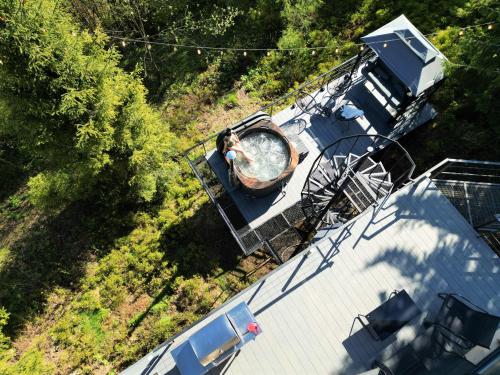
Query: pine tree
(83, 121)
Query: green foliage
(4, 340)
(80, 126)
(83, 120)
(31, 362)
(229, 100)
(195, 295)
(82, 330)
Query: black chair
(390, 316)
(440, 348)
(460, 319)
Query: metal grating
(286, 243)
(477, 202)
(251, 241)
(455, 192)
(272, 227)
(493, 240)
(294, 214)
(484, 202)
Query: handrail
(283, 98)
(232, 229)
(476, 171)
(338, 142)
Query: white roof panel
(408, 54)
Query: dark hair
(228, 132)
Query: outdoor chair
(390, 316)
(339, 86)
(440, 348)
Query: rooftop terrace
(416, 241)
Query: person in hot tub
(232, 142)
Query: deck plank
(417, 241)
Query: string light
(124, 44)
(488, 25)
(148, 46)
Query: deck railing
(347, 67)
(466, 170)
(473, 187)
(249, 240)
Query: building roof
(408, 54)
(416, 241)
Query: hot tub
(275, 158)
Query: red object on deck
(253, 327)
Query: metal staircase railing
(352, 174)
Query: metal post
(356, 63)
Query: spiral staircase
(344, 181)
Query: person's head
(228, 132)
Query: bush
(84, 122)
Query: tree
(83, 120)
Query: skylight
(420, 49)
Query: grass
(228, 101)
(100, 287)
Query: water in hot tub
(269, 153)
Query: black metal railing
(473, 187)
(247, 238)
(467, 170)
(394, 159)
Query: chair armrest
(444, 295)
(383, 368)
(454, 338)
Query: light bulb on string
(244, 53)
(148, 46)
(175, 49)
(336, 50)
(124, 44)
(268, 53)
(313, 52)
(361, 48)
(198, 51)
(490, 26)
(461, 32)
(385, 45)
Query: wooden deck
(417, 241)
(312, 133)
